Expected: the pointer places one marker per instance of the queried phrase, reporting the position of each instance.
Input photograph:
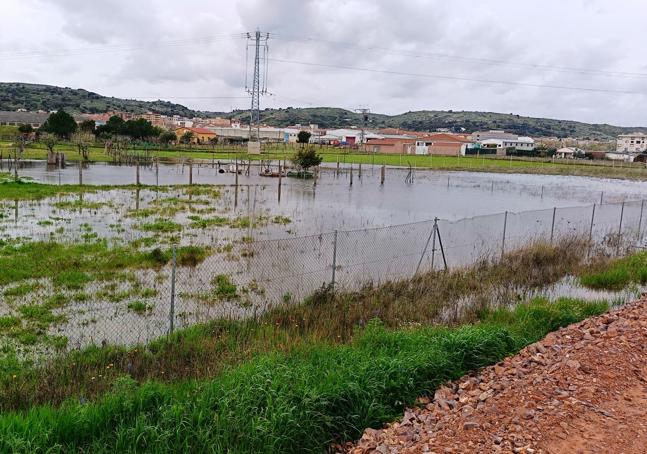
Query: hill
(32, 97)
(456, 121)
(14, 96)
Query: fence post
(505, 226)
(190, 172)
(334, 260)
(172, 311)
(552, 227)
(383, 174)
(601, 197)
(640, 222)
(424, 251)
(80, 173)
(622, 214)
(137, 173)
(591, 227)
(351, 174)
(442, 249)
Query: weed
(139, 307)
(161, 226)
(21, 289)
(74, 280)
(223, 287)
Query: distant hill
(429, 120)
(14, 96)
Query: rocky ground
(582, 389)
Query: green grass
(21, 289)
(74, 265)
(298, 401)
(161, 226)
(139, 307)
(618, 274)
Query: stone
(468, 425)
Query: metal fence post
(552, 227)
(334, 260)
(640, 222)
(591, 227)
(172, 311)
(424, 251)
(622, 214)
(505, 226)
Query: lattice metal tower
(364, 113)
(257, 42)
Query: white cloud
(171, 49)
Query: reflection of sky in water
(298, 266)
(333, 204)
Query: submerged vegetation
(329, 317)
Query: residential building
(352, 137)
(402, 145)
(632, 143)
(35, 119)
(566, 153)
(494, 134)
(442, 144)
(200, 135)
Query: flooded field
(242, 250)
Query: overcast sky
(389, 56)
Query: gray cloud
(187, 49)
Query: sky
(576, 59)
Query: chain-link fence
(245, 278)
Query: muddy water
(335, 204)
(287, 262)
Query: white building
(632, 143)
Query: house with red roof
(199, 135)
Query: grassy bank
(299, 401)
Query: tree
(303, 137)
(88, 126)
(50, 141)
(25, 128)
(187, 137)
(83, 140)
(306, 158)
(60, 123)
(167, 137)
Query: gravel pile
(583, 389)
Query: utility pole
(257, 41)
(364, 113)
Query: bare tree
(83, 140)
(19, 148)
(50, 141)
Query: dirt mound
(583, 389)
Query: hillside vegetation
(33, 97)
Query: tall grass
(618, 273)
(298, 402)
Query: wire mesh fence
(246, 278)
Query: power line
(18, 55)
(459, 78)
(439, 55)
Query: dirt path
(582, 389)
